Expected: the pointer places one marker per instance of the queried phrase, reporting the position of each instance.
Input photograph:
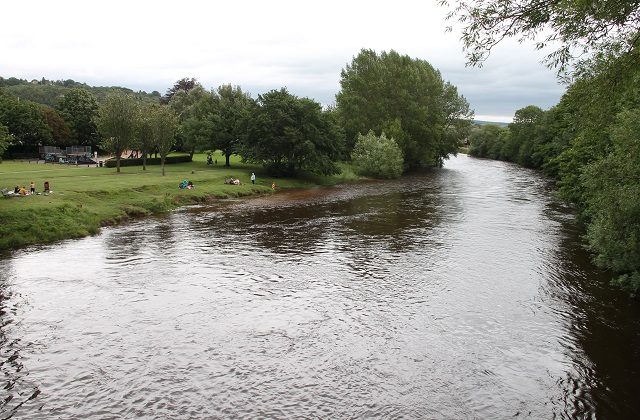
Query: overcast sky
(258, 45)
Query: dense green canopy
(406, 99)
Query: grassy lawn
(83, 199)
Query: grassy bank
(84, 199)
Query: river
(456, 293)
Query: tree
(525, 134)
(117, 122)
(612, 192)
(408, 100)
(25, 121)
(231, 107)
(144, 133)
(183, 85)
(78, 107)
(187, 105)
(60, 132)
(287, 134)
(377, 156)
(485, 141)
(594, 29)
(4, 140)
(165, 126)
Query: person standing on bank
(33, 188)
(253, 178)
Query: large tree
(231, 106)
(78, 107)
(117, 122)
(406, 99)
(288, 134)
(25, 121)
(581, 31)
(185, 104)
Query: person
(23, 191)
(183, 184)
(209, 160)
(273, 186)
(16, 190)
(190, 185)
(46, 186)
(253, 178)
(33, 188)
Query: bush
(377, 157)
(111, 163)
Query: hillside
(47, 92)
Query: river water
(456, 293)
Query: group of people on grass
(188, 185)
(231, 181)
(236, 181)
(32, 189)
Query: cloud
(148, 45)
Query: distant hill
(481, 122)
(47, 92)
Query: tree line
(590, 141)
(386, 99)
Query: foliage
(117, 122)
(594, 29)
(377, 157)
(164, 123)
(24, 120)
(4, 140)
(612, 191)
(407, 99)
(47, 92)
(183, 85)
(524, 135)
(60, 132)
(187, 105)
(144, 133)
(287, 134)
(111, 163)
(78, 107)
(231, 108)
(487, 141)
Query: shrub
(377, 156)
(111, 163)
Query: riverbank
(84, 199)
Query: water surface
(456, 293)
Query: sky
(259, 46)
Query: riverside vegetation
(84, 199)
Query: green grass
(84, 199)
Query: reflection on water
(455, 293)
